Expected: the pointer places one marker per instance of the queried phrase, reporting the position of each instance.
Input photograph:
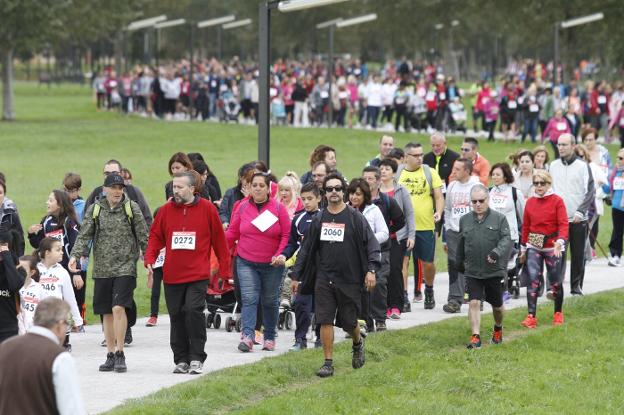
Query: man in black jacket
(339, 256)
(441, 157)
(10, 283)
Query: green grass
(576, 368)
(58, 130)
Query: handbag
(538, 239)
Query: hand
(446, 249)
(491, 260)
(150, 276)
(225, 226)
(35, 228)
(72, 265)
(576, 219)
(436, 217)
(558, 248)
(4, 248)
(370, 281)
(410, 244)
(278, 261)
(522, 257)
(294, 286)
(78, 282)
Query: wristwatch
(372, 271)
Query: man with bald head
(573, 181)
(386, 144)
(440, 158)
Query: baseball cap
(114, 179)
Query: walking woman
(523, 177)
(260, 228)
(540, 158)
(616, 185)
(544, 235)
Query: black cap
(114, 179)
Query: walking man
(339, 256)
(482, 253)
(188, 227)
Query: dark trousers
(81, 294)
(615, 246)
(395, 279)
(379, 296)
(401, 114)
(576, 248)
(155, 298)
(186, 303)
(304, 306)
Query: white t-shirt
(30, 297)
(501, 200)
(457, 202)
(57, 283)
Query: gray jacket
(574, 183)
(401, 195)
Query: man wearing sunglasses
(480, 165)
(482, 253)
(338, 258)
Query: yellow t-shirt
(416, 184)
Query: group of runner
(346, 244)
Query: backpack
(427, 170)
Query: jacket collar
(569, 160)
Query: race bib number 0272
(332, 232)
(183, 240)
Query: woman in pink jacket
(555, 127)
(261, 228)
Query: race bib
(442, 96)
(430, 96)
(264, 221)
(459, 211)
(561, 126)
(183, 240)
(343, 95)
(512, 105)
(213, 84)
(57, 234)
(520, 100)
(160, 261)
(534, 108)
(498, 201)
(332, 232)
(618, 183)
(602, 99)
(324, 94)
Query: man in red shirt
(189, 228)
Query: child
(55, 279)
(30, 294)
(72, 183)
(289, 187)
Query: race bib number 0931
(332, 232)
(183, 240)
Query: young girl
(55, 279)
(30, 294)
(289, 187)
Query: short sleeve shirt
(416, 184)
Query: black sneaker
(109, 365)
(451, 307)
(358, 359)
(325, 371)
(407, 306)
(128, 338)
(429, 300)
(120, 362)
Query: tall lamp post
(217, 21)
(566, 25)
(264, 38)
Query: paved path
(150, 363)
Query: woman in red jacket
(261, 227)
(544, 234)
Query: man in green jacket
(482, 254)
(119, 233)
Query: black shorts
(110, 292)
(337, 304)
(489, 289)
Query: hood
(8, 206)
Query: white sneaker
(614, 261)
(196, 367)
(285, 303)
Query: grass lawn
(576, 369)
(58, 130)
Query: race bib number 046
(183, 240)
(332, 232)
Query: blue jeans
(212, 104)
(530, 128)
(259, 282)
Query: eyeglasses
(465, 150)
(415, 155)
(536, 184)
(336, 189)
(108, 173)
(477, 201)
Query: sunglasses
(415, 155)
(465, 150)
(108, 173)
(540, 184)
(477, 201)
(330, 189)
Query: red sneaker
(530, 322)
(151, 322)
(558, 319)
(497, 336)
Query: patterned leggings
(535, 267)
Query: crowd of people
(402, 95)
(318, 243)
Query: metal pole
(220, 41)
(330, 74)
(157, 44)
(556, 57)
(264, 129)
(191, 25)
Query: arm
(526, 225)
(308, 248)
(590, 194)
(218, 242)
(373, 250)
(233, 231)
(396, 216)
(381, 229)
(224, 209)
(86, 234)
(439, 203)
(459, 256)
(284, 224)
(18, 238)
(35, 238)
(504, 240)
(70, 298)
(14, 279)
(408, 210)
(66, 386)
(563, 225)
(293, 239)
(140, 226)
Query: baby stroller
(228, 107)
(512, 281)
(286, 318)
(220, 298)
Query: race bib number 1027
(332, 232)
(183, 240)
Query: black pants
(615, 246)
(395, 279)
(594, 232)
(304, 307)
(555, 148)
(186, 303)
(401, 114)
(81, 294)
(155, 298)
(577, 236)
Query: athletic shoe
(389, 313)
(418, 297)
(475, 342)
(358, 359)
(407, 307)
(269, 345)
(120, 362)
(246, 345)
(196, 367)
(558, 319)
(298, 346)
(451, 307)
(497, 336)
(577, 292)
(614, 261)
(429, 300)
(103, 344)
(128, 338)
(395, 314)
(380, 326)
(285, 303)
(109, 365)
(152, 321)
(325, 371)
(530, 322)
(181, 367)
(258, 337)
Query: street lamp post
(217, 21)
(146, 24)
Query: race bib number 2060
(332, 232)
(183, 240)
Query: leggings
(535, 266)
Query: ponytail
(32, 260)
